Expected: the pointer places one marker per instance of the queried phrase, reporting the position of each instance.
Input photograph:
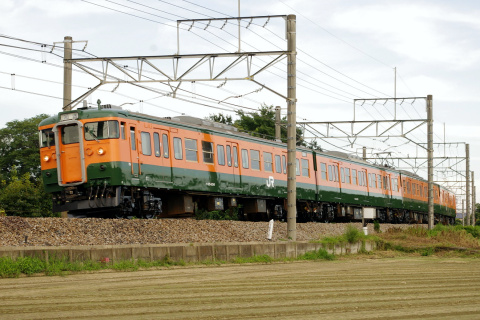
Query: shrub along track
(355, 288)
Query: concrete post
(467, 176)
(430, 162)
(291, 127)
(67, 73)
(278, 135)
(473, 198)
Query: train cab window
(388, 183)
(146, 143)
(297, 167)
(156, 144)
(330, 173)
(347, 175)
(132, 138)
(101, 130)
(284, 164)
(267, 162)
(278, 164)
(323, 170)
(191, 150)
(255, 159)
(421, 192)
(165, 146)
(425, 192)
(342, 175)
(122, 130)
(305, 168)
(379, 185)
(235, 157)
(229, 155)
(69, 134)
(354, 176)
(245, 158)
(47, 138)
(207, 148)
(177, 148)
(221, 155)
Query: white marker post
(270, 230)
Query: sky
(346, 50)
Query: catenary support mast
(291, 128)
(67, 73)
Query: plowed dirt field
(406, 288)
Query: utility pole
(430, 161)
(291, 127)
(278, 135)
(67, 73)
(467, 176)
(474, 207)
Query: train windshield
(102, 130)
(47, 138)
(70, 134)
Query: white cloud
(416, 31)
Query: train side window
(284, 164)
(305, 168)
(177, 148)
(335, 172)
(156, 144)
(255, 159)
(354, 176)
(146, 143)
(297, 167)
(342, 175)
(278, 164)
(379, 185)
(132, 138)
(347, 175)
(47, 138)
(122, 130)
(207, 148)
(191, 150)
(360, 178)
(229, 156)
(268, 162)
(245, 158)
(323, 169)
(330, 173)
(370, 183)
(221, 154)
(235, 157)
(165, 146)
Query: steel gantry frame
(174, 76)
(366, 124)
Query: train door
(70, 153)
(166, 158)
(233, 163)
(134, 157)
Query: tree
(260, 124)
(19, 147)
(23, 197)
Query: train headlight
(46, 158)
(101, 151)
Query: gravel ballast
(18, 231)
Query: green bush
(230, 214)
(320, 254)
(352, 234)
(376, 226)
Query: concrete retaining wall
(177, 252)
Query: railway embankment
(54, 232)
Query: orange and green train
(110, 161)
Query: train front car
(85, 162)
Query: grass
(439, 240)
